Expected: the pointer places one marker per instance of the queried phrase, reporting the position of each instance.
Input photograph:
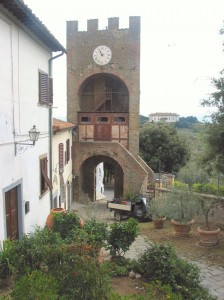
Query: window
(45, 182)
(102, 119)
(45, 88)
(61, 157)
(86, 119)
(108, 94)
(67, 150)
(119, 119)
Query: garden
(64, 262)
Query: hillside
(195, 139)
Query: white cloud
(180, 46)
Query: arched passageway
(114, 175)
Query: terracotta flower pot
(158, 222)
(182, 229)
(49, 221)
(208, 237)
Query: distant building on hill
(163, 117)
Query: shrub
(121, 236)
(97, 232)
(153, 291)
(160, 262)
(119, 266)
(208, 188)
(180, 204)
(66, 223)
(6, 267)
(35, 286)
(35, 249)
(45, 256)
(85, 279)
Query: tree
(186, 122)
(213, 157)
(162, 148)
(143, 120)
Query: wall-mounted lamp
(20, 147)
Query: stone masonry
(124, 67)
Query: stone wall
(125, 64)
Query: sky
(181, 48)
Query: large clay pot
(158, 222)
(208, 237)
(182, 229)
(50, 217)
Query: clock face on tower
(102, 55)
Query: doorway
(113, 178)
(11, 210)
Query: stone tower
(103, 86)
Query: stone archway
(103, 92)
(87, 180)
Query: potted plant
(156, 212)
(208, 233)
(180, 206)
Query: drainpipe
(50, 126)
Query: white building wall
(62, 137)
(99, 181)
(169, 118)
(21, 59)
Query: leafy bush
(66, 223)
(121, 236)
(32, 250)
(160, 262)
(82, 277)
(153, 291)
(97, 232)
(6, 267)
(118, 266)
(180, 204)
(78, 274)
(35, 286)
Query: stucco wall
(21, 59)
(62, 137)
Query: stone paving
(213, 277)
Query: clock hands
(101, 53)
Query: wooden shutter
(43, 167)
(45, 88)
(68, 150)
(61, 157)
(45, 181)
(50, 90)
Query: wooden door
(11, 207)
(102, 132)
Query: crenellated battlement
(113, 24)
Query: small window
(119, 119)
(61, 157)
(86, 119)
(45, 89)
(45, 182)
(102, 119)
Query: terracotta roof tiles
(59, 125)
